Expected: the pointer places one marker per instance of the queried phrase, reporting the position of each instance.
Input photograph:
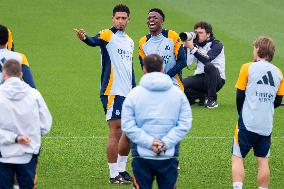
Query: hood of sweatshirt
(156, 81)
(14, 89)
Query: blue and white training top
(117, 61)
(169, 46)
(261, 81)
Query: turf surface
(67, 73)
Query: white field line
(102, 137)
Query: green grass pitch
(67, 73)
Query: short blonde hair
(266, 48)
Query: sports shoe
(126, 176)
(118, 180)
(202, 102)
(211, 104)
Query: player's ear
(128, 20)
(4, 75)
(144, 70)
(21, 75)
(208, 35)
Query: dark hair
(120, 8)
(204, 25)
(153, 63)
(12, 68)
(266, 48)
(158, 11)
(4, 34)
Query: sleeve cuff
(193, 50)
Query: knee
(210, 68)
(187, 82)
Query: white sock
(237, 185)
(260, 187)
(113, 170)
(121, 163)
(16, 187)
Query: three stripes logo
(267, 79)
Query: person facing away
(117, 80)
(156, 116)
(260, 88)
(24, 119)
(8, 43)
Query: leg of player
(263, 175)
(123, 151)
(238, 172)
(112, 146)
(112, 151)
(212, 76)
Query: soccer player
(6, 54)
(117, 80)
(260, 88)
(156, 116)
(165, 43)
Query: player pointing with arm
(117, 80)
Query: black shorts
(112, 105)
(245, 140)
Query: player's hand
(158, 146)
(81, 33)
(155, 146)
(22, 139)
(161, 147)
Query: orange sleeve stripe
(243, 77)
(24, 59)
(106, 35)
(141, 43)
(280, 91)
(110, 101)
(109, 85)
(10, 40)
(180, 83)
(177, 42)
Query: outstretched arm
(91, 41)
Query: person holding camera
(208, 53)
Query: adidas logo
(267, 79)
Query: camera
(187, 36)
